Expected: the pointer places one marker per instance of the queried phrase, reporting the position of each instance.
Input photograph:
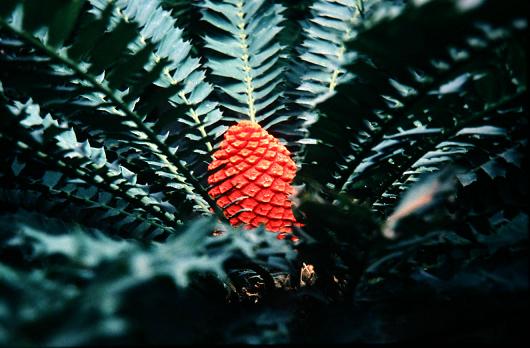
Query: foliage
(407, 120)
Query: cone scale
(250, 179)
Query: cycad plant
(251, 171)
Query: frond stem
(246, 65)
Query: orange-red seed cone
(254, 185)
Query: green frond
(324, 53)
(247, 61)
(395, 105)
(92, 73)
(246, 57)
(485, 136)
(101, 278)
(318, 63)
(48, 159)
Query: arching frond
(47, 158)
(101, 97)
(249, 65)
(397, 104)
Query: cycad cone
(254, 184)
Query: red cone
(254, 185)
